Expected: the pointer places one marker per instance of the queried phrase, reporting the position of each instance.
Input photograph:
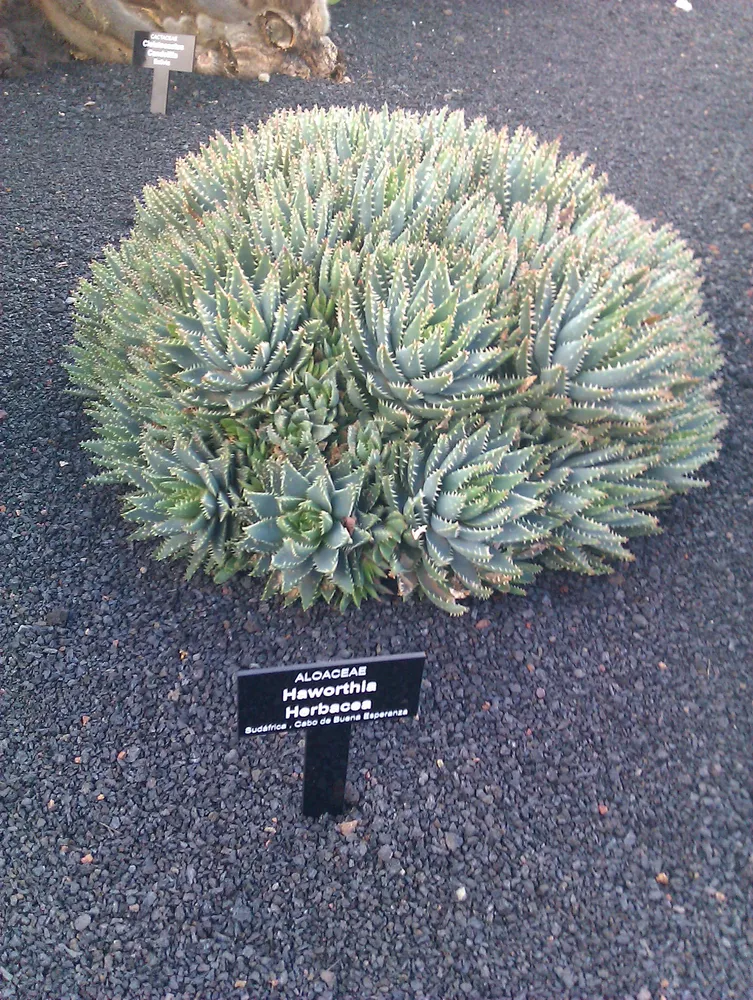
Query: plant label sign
(323, 700)
(326, 694)
(162, 52)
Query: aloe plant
(356, 351)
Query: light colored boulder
(243, 38)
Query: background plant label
(154, 49)
(314, 695)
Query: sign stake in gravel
(323, 700)
(161, 52)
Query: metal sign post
(325, 770)
(160, 83)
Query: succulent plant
(308, 532)
(464, 504)
(355, 350)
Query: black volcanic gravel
(573, 745)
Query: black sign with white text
(322, 700)
(153, 49)
(324, 694)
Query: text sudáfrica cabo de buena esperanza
(355, 709)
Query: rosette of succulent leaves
(358, 352)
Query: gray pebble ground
(571, 816)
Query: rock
(57, 616)
(295, 43)
(242, 914)
(328, 976)
(566, 976)
(384, 853)
(453, 841)
(8, 50)
(643, 994)
(82, 921)
(460, 894)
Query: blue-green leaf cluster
(355, 352)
